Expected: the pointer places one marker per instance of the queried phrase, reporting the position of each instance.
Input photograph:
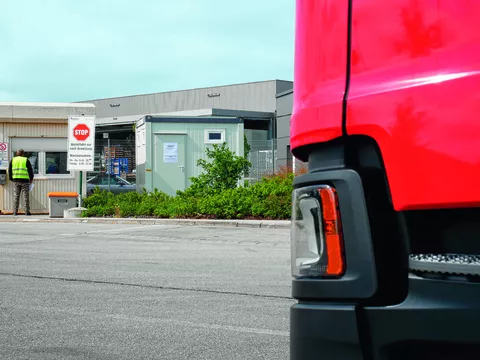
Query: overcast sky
(72, 50)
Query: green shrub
(228, 204)
(222, 171)
(214, 194)
(177, 207)
(98, 198)
(100, 211)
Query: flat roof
(198, 114)
(285, 93)
(190, 89)
(47, 104)
(12, 111)
(193, 120)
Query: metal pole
(109, 163)
(81, 189)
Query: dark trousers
(17, 189)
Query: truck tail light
(317, 242)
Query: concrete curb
(271, 224)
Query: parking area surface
(93, 291)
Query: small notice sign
(170, 152)
(3, 155)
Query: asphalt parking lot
(98, 291)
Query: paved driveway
(91, 291)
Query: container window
(48, 156)
(56, 163)
(214, 136)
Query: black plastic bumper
(439, 320)
(360, 279)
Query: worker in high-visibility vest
(20, 172)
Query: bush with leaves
(214, 194)
(222, 170)
(150, 202)
(99, 198)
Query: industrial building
(284, 113)
(195, 118)
(41, 129)
(255, 103)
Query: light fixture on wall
(213, 95)
(114, 105)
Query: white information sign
(141, 145)
(170, 152)
(4, 155)
(81, 143)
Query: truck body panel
(386, 100)
(414, 88)
(320, 70)
(412, 80)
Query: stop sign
(81, 132)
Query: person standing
(20, 172)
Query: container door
(169, 159)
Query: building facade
(255, 103)
(41, 129)
(284, 113)
(256, 96)
(168, 148)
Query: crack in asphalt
(86, 281)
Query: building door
(169, 172)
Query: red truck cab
(386, 224)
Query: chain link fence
(119, 159)
(263, 157)
(116, 157)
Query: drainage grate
(446, 263)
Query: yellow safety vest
(19, 168)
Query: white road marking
(189, 324)
(121, 230)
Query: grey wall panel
(38, 197)
(283, 86)
(284, 112)
(258, 96)
(140, 180)
(283, 126)
(282, 153)
(285, 105)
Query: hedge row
(267, 199)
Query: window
(214, 136)
(56, 163)
(105, 180)
(48, 156)
(93, 180)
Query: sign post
(81, 146)
(109, 161)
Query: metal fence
(263, 157)
(116, 157)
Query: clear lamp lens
(311, 233)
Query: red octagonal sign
(81, 132)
